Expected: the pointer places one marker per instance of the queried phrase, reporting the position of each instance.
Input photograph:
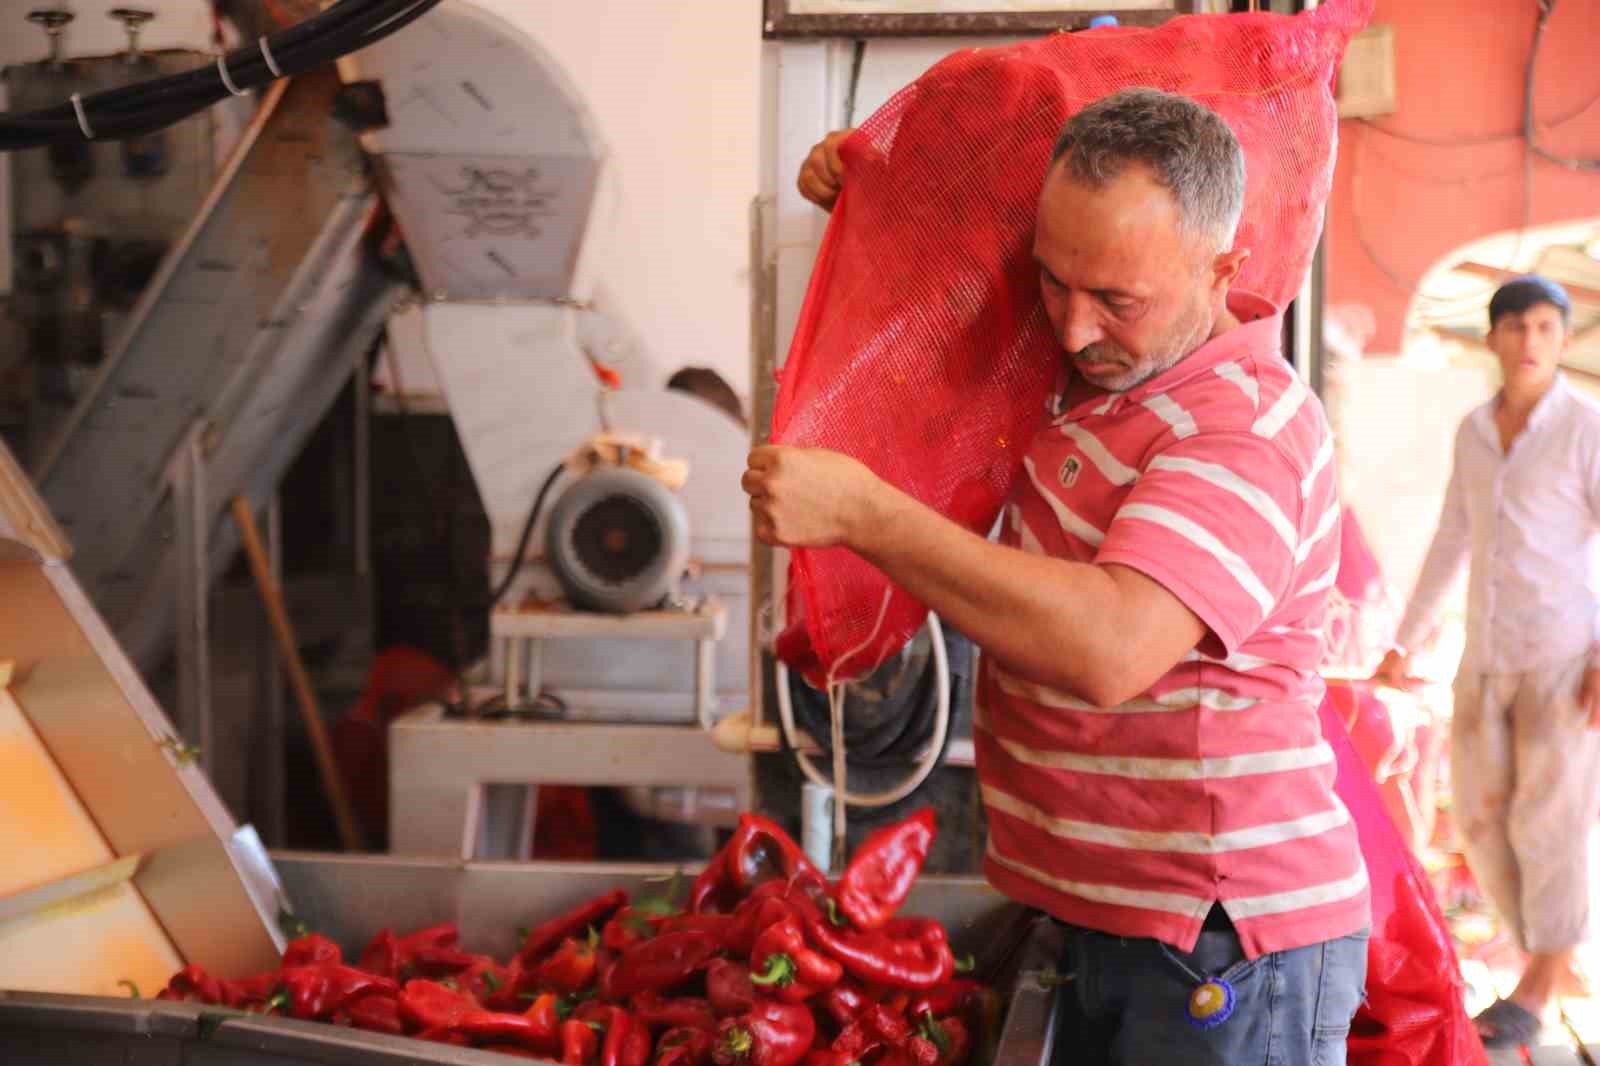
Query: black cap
(1520, 294)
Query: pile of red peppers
(769, 964)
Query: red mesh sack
(1415, 1013)
(922, 349)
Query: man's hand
(822, 174)
(1589, 695)
(1395, 671)
(809, 497)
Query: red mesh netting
(922, 348)
(1415, 1013)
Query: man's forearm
(1059, 623)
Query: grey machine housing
(618, 541)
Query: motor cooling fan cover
(618, 541)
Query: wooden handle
(272, 600)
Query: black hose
(527, 531)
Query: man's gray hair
(1187, 146)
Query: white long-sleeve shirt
(1526, 520)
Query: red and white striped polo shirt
(1215, 479)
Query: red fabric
(400, 678)
(1360, 580)
(1415, 1013)
(922, 349)
(565, 826)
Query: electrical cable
(1546, 9)
(527, 532)
(1441, 306)
(141, 107)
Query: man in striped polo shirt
(1148, 743)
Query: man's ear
(1225, 266)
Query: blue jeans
(1127, 1002)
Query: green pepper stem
(966, 964)
(738, 1041)
(780, 971)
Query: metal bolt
(133, 20)
(54, 21)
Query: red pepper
(718, 925)
(764, 908)
(951, 1036)
(593, 913)
(317, 991)
(762, 851)
(545, 1014)
(614, 1041)
(250, 992)
(658, 964)
(376, 1014)
(382, 955)
(482, 1026)
(430, 1005)
(884, 868)
(876, 1027)
(782, 960)
(898, 1000)
(906, 953)
(759, 851)
(192, 984)
(771, 1034)
(580, 1044)
(684, 1047)
(713, 891)
(397, 957)
(626, 929)
(512, 1050)
(572, 968)
(636, 1047)
(489, 983)
(844, 1002)
(729, 988)
(309, 949)
(439, 962)
(434, 1007)
(829, 1057)
(683, 1012)
(444, 1036)
(945, 999)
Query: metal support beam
(192, 519)
(268, 765)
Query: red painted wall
(1398, 205)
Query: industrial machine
(620, 557)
